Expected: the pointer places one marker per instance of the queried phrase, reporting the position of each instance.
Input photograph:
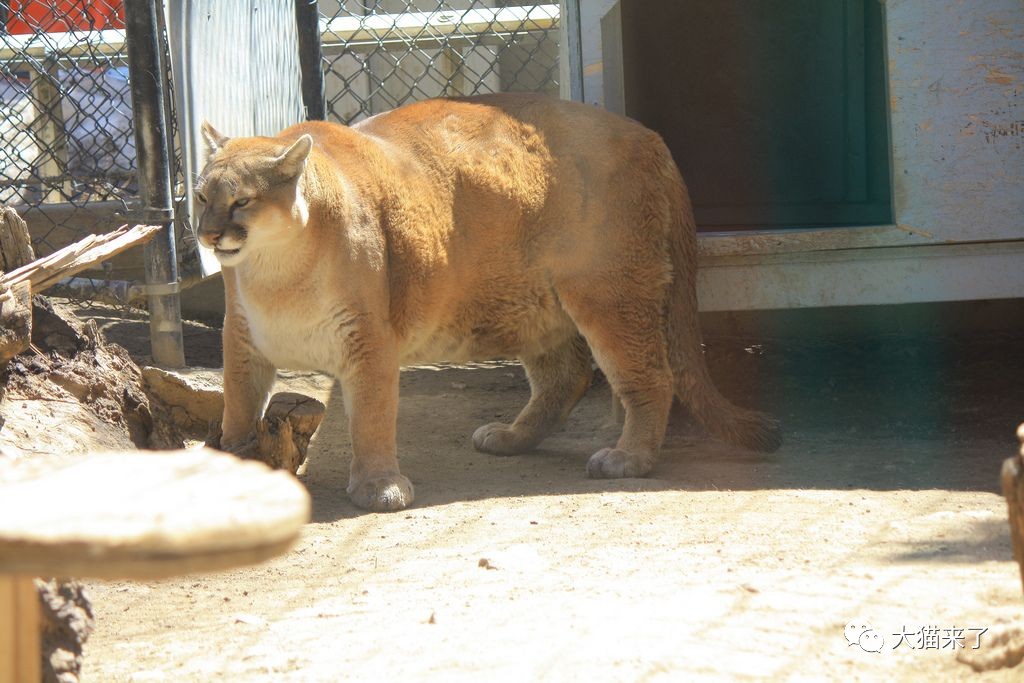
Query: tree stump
(148, 515)
(1013, 489)
(282, 436)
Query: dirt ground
(881, 509)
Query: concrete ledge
(855, 277)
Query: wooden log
(63, 223)
(303, 413)
(282, 435)
(15, 299)
(15, 242)
(1013, 490)
(276, 446)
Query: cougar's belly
(515, 324)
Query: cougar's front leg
(370, 385)
(248, 377)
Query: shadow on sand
(441, 407)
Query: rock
(194, 399)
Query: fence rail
(66, 44)
(380, 54)
(424, 29)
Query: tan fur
(499, 226)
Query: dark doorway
(775, 110)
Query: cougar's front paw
(497, 438)
(382, 493)
(615, 463)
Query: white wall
(591, 12)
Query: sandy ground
(880, 509)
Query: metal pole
(574, 40)
(146, 73)
(307, 24)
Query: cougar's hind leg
(558, 379)
(626, 333)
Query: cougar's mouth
(230, 244)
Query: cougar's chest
(291, 336)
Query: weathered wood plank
(74, 258)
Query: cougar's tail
(747, 428)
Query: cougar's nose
(209, 237)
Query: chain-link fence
(68, 157)
(380, 54)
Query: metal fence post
(147, 75)
(574, 40)
(307, 24)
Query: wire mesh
(68, 157)
(380, 54)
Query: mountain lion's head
(251, 193)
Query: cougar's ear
(214, 140)
(293, 160)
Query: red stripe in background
(56, 16)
